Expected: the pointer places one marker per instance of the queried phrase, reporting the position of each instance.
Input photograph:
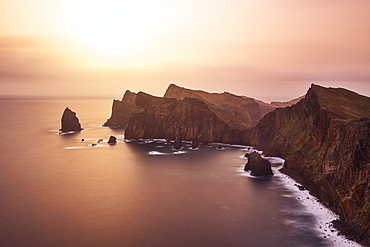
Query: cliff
(191, 118)
(240, 111)
(325, 139)
(249, 111)
(148, 120)
(69, 121)
(121, 110)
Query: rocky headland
(69, 121)
(324, 138)
(195, 115)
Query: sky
(270, 50)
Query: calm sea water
(58, 191)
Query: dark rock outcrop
(258, 165)
(70, 121)
(121, 110)
(112, 140)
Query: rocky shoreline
(324, 138)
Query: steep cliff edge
(121, 110)
(239, 111)
(325, 139)
(250, 111)
(148, 120)
(191, 118)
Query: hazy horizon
(268, 50)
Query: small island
(70, 121)
(258, 165)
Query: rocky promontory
(70, 121)
(240, 112)
(121, 110)
(189, 119)
(325, 139)
(258, 165)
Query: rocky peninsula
(324, 138)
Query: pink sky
(268, 49)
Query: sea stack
(69, 121)
(258, 165)
(112, 140)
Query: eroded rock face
(69, 121)
(241, 112)
(325, 139)
(258, 165)
(149, 118)
(121, 110)
(156, 117)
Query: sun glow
(114, 27)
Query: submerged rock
(112, 140)
(258, 165)
(69, 121)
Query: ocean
(57, 190)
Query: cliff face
(69, 121)
(248, 110)
(325, 139)
(121, 110)
(149, 118)
(191, 118)
(239, 111)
